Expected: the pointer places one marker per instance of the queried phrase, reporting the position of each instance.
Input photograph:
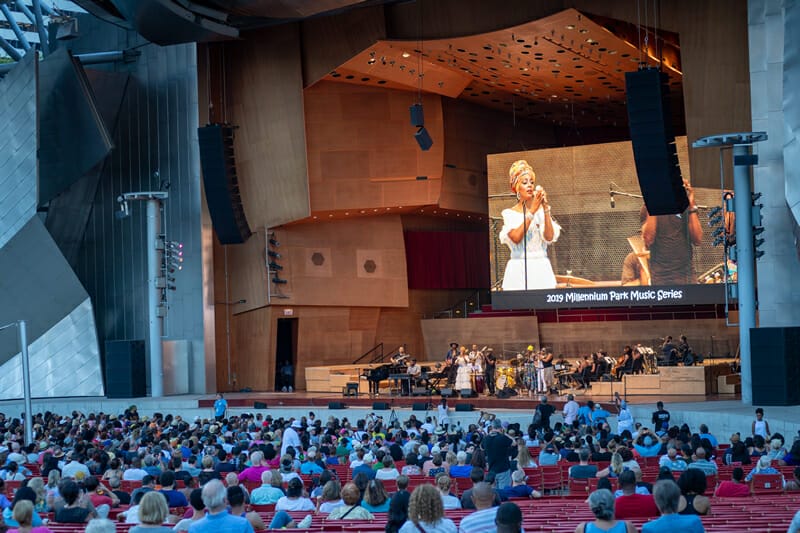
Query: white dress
(463, 376)
(540, 271)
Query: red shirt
(635, 506)
(100, 499)
(731, 489)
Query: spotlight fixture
(423, 139)
(123, 212)
(279, 281)
(273, 254)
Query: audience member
(692, 484)
(583, 470)
(508, 518)
(351, 510)
(376, 499)
(601, 502)
(630, 502)
(667, 495)
(153, 511)
(426, 513)
(270, 490)
(331, 497)
(519, 487)
(449, 501)
(23, 516)
(198, 511)
(483, 518)
(218, 518)
(398, 506)
(235, 495)
(294, 499)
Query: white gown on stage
(463, 376)
(540, 272)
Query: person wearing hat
(527, 230)
(451, 368)
(291, 437)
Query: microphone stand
(525, 243)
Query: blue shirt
(364, 468)
(600, 416)
(585, 414)
(175, 498)
(675, 522)
(460, 471)
(220, 406)
(711, 438)
(222, 522)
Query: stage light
(279, 281)
(275, 255)
(423, 139)
(274, 242)
(417, 115)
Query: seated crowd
(164, 472)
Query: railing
(376, 352)
(470, 304)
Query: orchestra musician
(637, 361)
(450, 364)
(539, 364)
(622, 362)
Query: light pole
(156, 281)
(22, 330)
(743, 160)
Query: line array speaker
(466, 393)
(125, 369)
(653, 140)
(221, 184)
(336, 405)
(259, 405)
(464, 407)
(775, 365)
(419, 406)
(380, 406)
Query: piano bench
(351, 389)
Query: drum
(478, 383)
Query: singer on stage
(527, 230)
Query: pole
(26, 380)
(745, 261)
(155, 323)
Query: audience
(735, 487)
(376, 499)
(294, 499)
(426, 513)
(692, 484)
(153, 511)
(198, 511)
(483, 518)
(270, 490)
(235, 495)
(630, 502)
(449, 501)
(218, 518)
(667, 495)
(351, 510)
(601, 502)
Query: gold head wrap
(518, 169)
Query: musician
(637, 361)
(623, 362)
(527, 230)
(539, 364)
(463, 370)
(451, 368)
(414, 371)
(491, 367)
(547, 364)
(400, 356)
(669, 351)
(685, 352)
(669, 239)
(452, 353)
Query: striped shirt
(479, 521)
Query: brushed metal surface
(18, 147)
(64, 361)
(791, 105)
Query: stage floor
(246, 400)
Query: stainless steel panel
(156, 131)
(791, 105)
(18, 147)
(64, 361)
(36, 284)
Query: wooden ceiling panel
(565, 68)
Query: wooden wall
(361, 148)
(264, 99)
(575, 338)
(507, 336)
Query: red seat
(767, 484)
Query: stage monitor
(590, 241)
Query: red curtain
(447, 259)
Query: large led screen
(589, 240)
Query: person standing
(287, 376)
(220, 406)
(463, 374)
(498, 453)
(760, 425)
(669, 239)
(527, 230)
(548, 372)
(570, 410)
(660, 418)
(543, 413)
(491, 367)
(443, 414)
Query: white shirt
(450, 502)
(133, 474)
(300, 504)
(387, 473)
(570, 412)
(444, 417)
(290, 438)
(73, 467)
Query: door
(286, 354)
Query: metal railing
(376, 352)
(470, 304)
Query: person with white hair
(257, 467)
(311, 465)
(601, 502)
(291, 437)
(100, 525)
(764, 466)
(218, 518)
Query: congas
(478, 382)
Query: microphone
(611, 194)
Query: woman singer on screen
(528, 227)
